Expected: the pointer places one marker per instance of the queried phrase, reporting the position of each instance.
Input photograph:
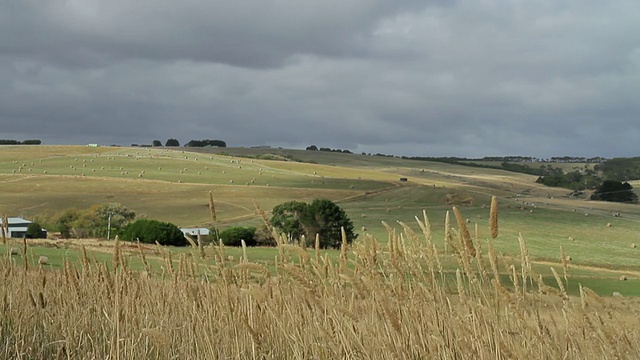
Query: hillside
(172, 184)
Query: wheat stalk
(493, 217)
(464, 233)
(447, 230)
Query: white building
(18, 227)
(195, 231)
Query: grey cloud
(440, 78)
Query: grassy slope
(364, 185)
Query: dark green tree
(286, 218)
(616, 191)
(172, 142)
(156, 143)
(150, 231)
(34, 231)
(321, 217)
(233, 236)
(312, 148)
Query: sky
(468, 78)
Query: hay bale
(608, 225)
(568, 258)
(623, 278)
(14, 251)
(616, 294)
(633, 246)
(43, 260)
(571, 238)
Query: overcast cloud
(429, 78)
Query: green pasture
(586, 239)
(601, 281)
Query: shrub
(150, 231)
(34, 231)
(233, 236)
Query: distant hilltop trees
(206, 143)
(16, 142)
(315, 148)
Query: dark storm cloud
(461, 78)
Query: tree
(233, 236)
(312, 148)
(150, 231)
(34, 231)
(172, 142)
(156, 143)
(616, 191)
(64, 222)
(322, 217)
(286, 217)
(206, 143)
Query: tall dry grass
(375, 302)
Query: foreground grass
(395, 301)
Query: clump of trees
(172, 142)
(24, 142)
(321, 216)
(206, 143)
(616, 191)
(315, 148)
(623, 169)
(93, 222)
(574, 180)
(151, 231)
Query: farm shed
(18, 227)
(195, 231)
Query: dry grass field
(373, 301)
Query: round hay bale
(608, 225)
(15, 251)
(43, 260)
(633, 246)
(568, 258)
(571, 238)
(623, 277)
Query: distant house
(195, 231)
(18, 227)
